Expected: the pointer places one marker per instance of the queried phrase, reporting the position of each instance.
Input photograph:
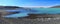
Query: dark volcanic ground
(55, 20)
(31, 21)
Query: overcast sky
(29, 2)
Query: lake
(24, 13)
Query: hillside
(55, 6)
(8, 7)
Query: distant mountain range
(14, 7)
(9, 7)
(58, 6)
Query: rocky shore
(38, 19)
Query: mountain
(9, 7)
(58, 6)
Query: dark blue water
(24, 13)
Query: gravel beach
(55, 20)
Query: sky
(29, 3)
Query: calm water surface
(24, 12)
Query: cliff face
(55, 6)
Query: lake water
(24, 13)
(46, 10)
